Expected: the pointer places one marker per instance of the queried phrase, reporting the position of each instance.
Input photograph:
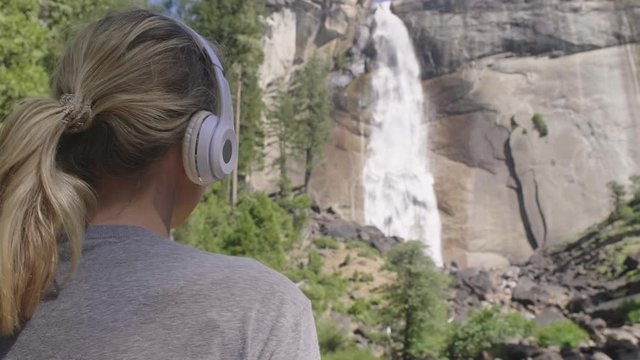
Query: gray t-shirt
(137, 295)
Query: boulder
(599, 356)
(477, 281)
(549, 315)
(527, 292)
(340, 229)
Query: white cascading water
(399, 196)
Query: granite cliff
(504, 187)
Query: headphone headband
(210, 145)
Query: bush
(364, 250)
(630, 310)
(540, 125)
(326, 242)
(258, 227)
(361, 277)
(485, 330)
(564, 334)
(330, 338)
(352, 353)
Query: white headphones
(210, 145)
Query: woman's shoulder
(240, 278)
(169, 266)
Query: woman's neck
(133, 202)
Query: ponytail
(40, 204)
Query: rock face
(488, 67)
(296, 29)
(502, 187)
(452, 33)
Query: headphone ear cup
(190, 146)
(224, 154)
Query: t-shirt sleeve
(298, 339)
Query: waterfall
(399, 197)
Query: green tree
(32, 36)
(635, 185)
(485, 330)
(416, 310)
(280, 123)
(258, 227)
(22, 51)
(235, 26)
(313, 104)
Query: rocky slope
(592, 281)
(488, 67)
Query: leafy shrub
(364, 250)
(320, 288)
(258, 227)
(330, 338)
(326, 242)
(362, 277)
(633, 316)
(351, 353)
(625, 212)
(358, 307)
(340, 62)
(484, 331)
(564, 334)
(630, 310)
(540, 125)
(315, 263)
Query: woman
(105, 169)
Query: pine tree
(280, 123)
(313, 104)
(234, 25)
(416, 307)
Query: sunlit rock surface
(487, 66)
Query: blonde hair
(138, 76)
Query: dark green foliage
(334, 345)
(416, 310)
(340, 62)
(280, 124)
(484, 331)
(618, 193)
(313, 104)
(315, 263)
(235, 26)
(564, 334)
(323, 290)
(540, 125)
(361, 277)
(330, 338)
(364, 250)
(351, 353)
(326, 242)
(635, 185)
(630, 310)
(32, 36)
(22, 44)
(258, 227)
